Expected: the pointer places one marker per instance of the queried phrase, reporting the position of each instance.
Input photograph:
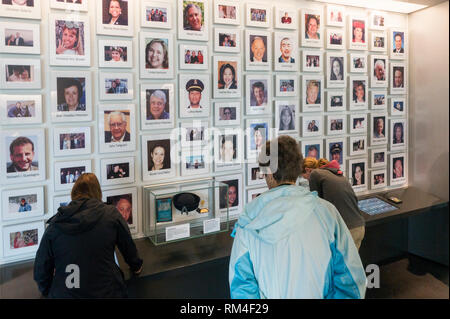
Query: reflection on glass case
(182, 210)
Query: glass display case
(182, 210)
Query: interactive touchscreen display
(375, 206)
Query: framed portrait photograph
(378, 133)
(258, 50)
(233, 199)
(336, 124)
(312, 148)
(311, 26)
(287, 117)
(357, 33)
(23, 157)
(398, 134)
(254, 175)
(227, 77)
(312, 93)
(257, 15)
(336, 70)
(258, 131)
(227, 12)
(193, 20)
(126, 202)
(358, 123)
(398, 41)
(195, 162)
(193, 57)
(286, 85)
(398, 106)
(115, 53)
(335, 15)
(157, 157)
(22, 239)
(285, 18)
(195, 95)
(21, 38)
(227, 40)
(69, 40)
(378, 41)
(335, 38)
(379, 71)
(357, 62)
(20, 73)
(116, 171)
(22, 203)
(227, 113)
(156, 55)
(255, 192)
(157, 106)
(24, 9)
(20, 109)
(378, 178)
(359, 171)
(69, 5)
(398, 168)
(336, 100)
(312, 125)
(116, 86)
(285, 51)
(71, 141)
(115, 17)
(358, 93)
(156, 14)
(71, 99)
(357, 145)
(117, 128)
(228, 149)
(377, 20)
(378, 157)
(258, 94)
(336, 150)
(67, 173)
(194, 134)
(398, 78)
(378, 99)
(312, 61)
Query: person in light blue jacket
(289, 243)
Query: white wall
(429, 103)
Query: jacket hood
(333, 167)
(278, 212)
(79, 216)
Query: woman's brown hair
(86, 186)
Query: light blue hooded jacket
(289, 243)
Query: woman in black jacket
(75, 258)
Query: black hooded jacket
(84, 233)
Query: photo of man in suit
(118, 128)
(21, 153)
(398, 43)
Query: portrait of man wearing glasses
(118, 128)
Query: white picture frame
(336, 70)
(115, 53)
(30, 10)
(199, 29)
(20, 109)
(120, 198)
(285, 109)
(26, 172)
(117, 171)
(358, 36)
(152, 46)
(109, 139)
(357, 145)
(378, 179)
(336, 124)
(312, 125)
(227, 113)
(194, 61)
(378, 99)
(379, 71)
(336, 100)
(335, 39)
(258, 15)
(309, 92)
(236, 208)
(398, 53)
(162, 19)
(312, 61)
(150, 143)
(377, 20)
(398, 175)
(65, 173)
(257, 132)
(227, 40)
(194, 133)
(224, 68)
(227, 12)
(398, 81)
(378, 41)
(335, 15)
(27, 246)
(398, 134)
(357, 62)
(286, 85)
(63, 49)
(116, 86)
(228, 149)
(65, 82)
(23, 203)
(165, 111)
(124, 23)
(311, 33)
(71, 141)
(378, 129)
(69, 5)
(353, 165)
(195, 162)
(258, 97)
(255, 192)
(194, 82)
(258, 50)
(285, 18)
(358, 123)
(358, 92)
(336, 149)
(285, 47)
(254, 175)
(312, 148)
(21, 37)
(398, 106)
(20, 73)
(378, 157)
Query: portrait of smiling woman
(159, 155)
(337, 69)
(227, 77)
(156, 55)
(70, 92)
(115, 12)
(69, 38)
(287, 118)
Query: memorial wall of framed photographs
(147, 92)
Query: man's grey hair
(379, 63)
(191, 5)
(159, 95)
(122, 115)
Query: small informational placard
(211, 225)
(177, 232)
